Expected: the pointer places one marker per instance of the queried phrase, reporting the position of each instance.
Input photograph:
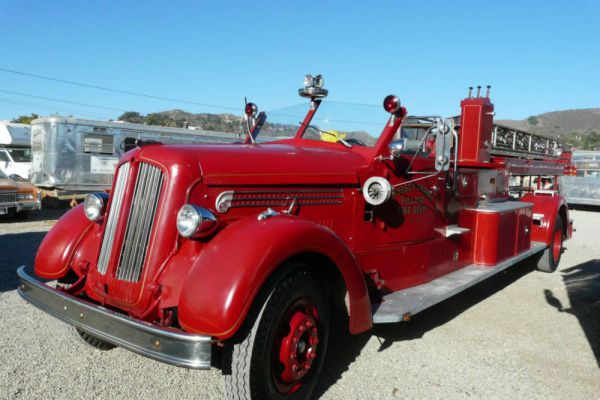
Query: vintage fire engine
(250, 251)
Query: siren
(377, 190)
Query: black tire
(93, 341)
(550, 258)
(252, 366)
(23, 215)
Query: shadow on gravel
(34, 216)
(16, 250)
(583, 287)
(345, 348)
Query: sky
(539, 56)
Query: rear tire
(279, 352)
(550, 258)
(93, 341)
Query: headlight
(195, 221)
(94, 205)
(24, 196)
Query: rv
(15, 149)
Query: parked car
(18, 197)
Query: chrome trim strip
(161, 344)
(141, 220)
(113, 217)
(272, 198)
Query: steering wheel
(356, 142)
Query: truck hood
(285, 162)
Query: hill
(578, 128)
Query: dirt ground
(523, 334)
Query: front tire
(93, 341)
(550, 258)
(279, 352)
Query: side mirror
(404, 146)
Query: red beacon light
(391, 104)
(251, 109)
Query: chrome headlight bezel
(194, 221)
(94, 205)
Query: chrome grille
(8, 198)
(139, 225)
(113, 217)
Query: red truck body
(299, 201)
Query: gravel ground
(523, 334)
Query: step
(399, 306)
(451, 230)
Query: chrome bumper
(162, 344)
(28, 206)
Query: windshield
(355, 123)
(20, 155)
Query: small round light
(94, 205)
(195, 221)
(308, 80)
(391, 103)
(251, 109)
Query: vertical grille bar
(113, 215)
(139, 225)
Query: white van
(15, 149)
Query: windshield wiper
(339, 139)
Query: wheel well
(562, 212)
(327, 272)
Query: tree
(25, 119)
(591, 141)
(156, 119)
(533, 120)
(132, 116)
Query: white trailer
(15, 149)
(79, 155)
(583, 188)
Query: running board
(399, 306)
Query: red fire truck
(248, 252)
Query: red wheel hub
(296, 346)
(556, 244)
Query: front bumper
(163, 344)
(28, 206)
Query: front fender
(58, 247)
(230, 270)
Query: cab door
(396, 240)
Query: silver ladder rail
(514, 142)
